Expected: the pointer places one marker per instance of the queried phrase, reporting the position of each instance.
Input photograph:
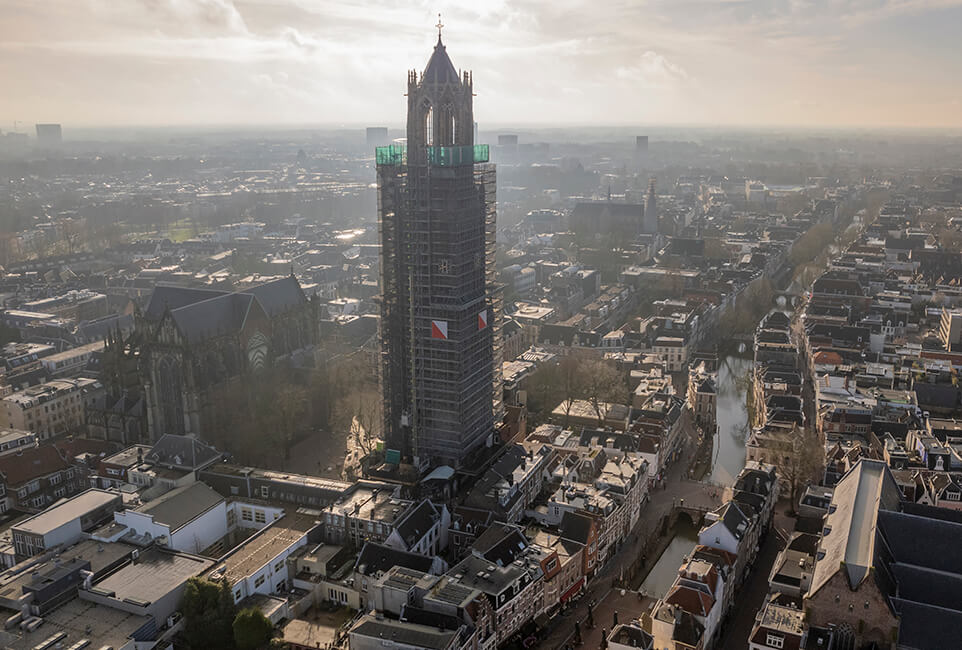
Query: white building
(259, 565)
(64, 523)
(188, 519)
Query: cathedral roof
(440, 70)
(215, 317)
(278, 296)
(173, 297)
(202, 313)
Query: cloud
(652, 70)
(712, 61)
(204, 15)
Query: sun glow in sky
(623, 62)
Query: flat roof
(80, 619)
(784, 619)
(229, 469)
(73, 508)
(308, 634)
(73, 352)
(128, 456)
(156, 573)
(100, 554)
(181, 505)
(372, 503)
(323, 552)
(14, 434)
(267, 544)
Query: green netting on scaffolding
(393, 154)
(456, 156)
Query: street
(738, 624)
(608, 599)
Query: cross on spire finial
(439, 26)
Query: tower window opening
(429, 128)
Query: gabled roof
(749, 501)
(182, 451)
(576, 527)
(375, 558)
(688, 630)
(938, 553)
(200, 313)
(174, 297)
(851, 523)
(927, 626)
(278, 296)
(632, 635)
(21, 467)
(501, 545)
(417, 522)
(733, 519)
(217, 316)
(691, 600)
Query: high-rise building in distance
(49, 135)
(440, 301)
(376, 136)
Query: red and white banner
(439, 329)
(483, 319)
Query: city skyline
(871, 63)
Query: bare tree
(71, 234)
(290, 402)
(601, 384)
(803, 461)
(366, 419)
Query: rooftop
(268, 544)
(181, 505)
(80, 619)
(41, 393)
(848, 533)
(783, 619)
(73, 352)
(401, 633)
(155, 574)
(74, 508)
(126, 457)
(307, 634)
(372, 503)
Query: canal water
(728, 452)
(663, 574)
(728, 459)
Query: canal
(728, 451)
(662, 575)
(728, 458)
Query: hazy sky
(628, 62)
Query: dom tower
(441, 305)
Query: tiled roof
(21, 467)
(691, 600)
